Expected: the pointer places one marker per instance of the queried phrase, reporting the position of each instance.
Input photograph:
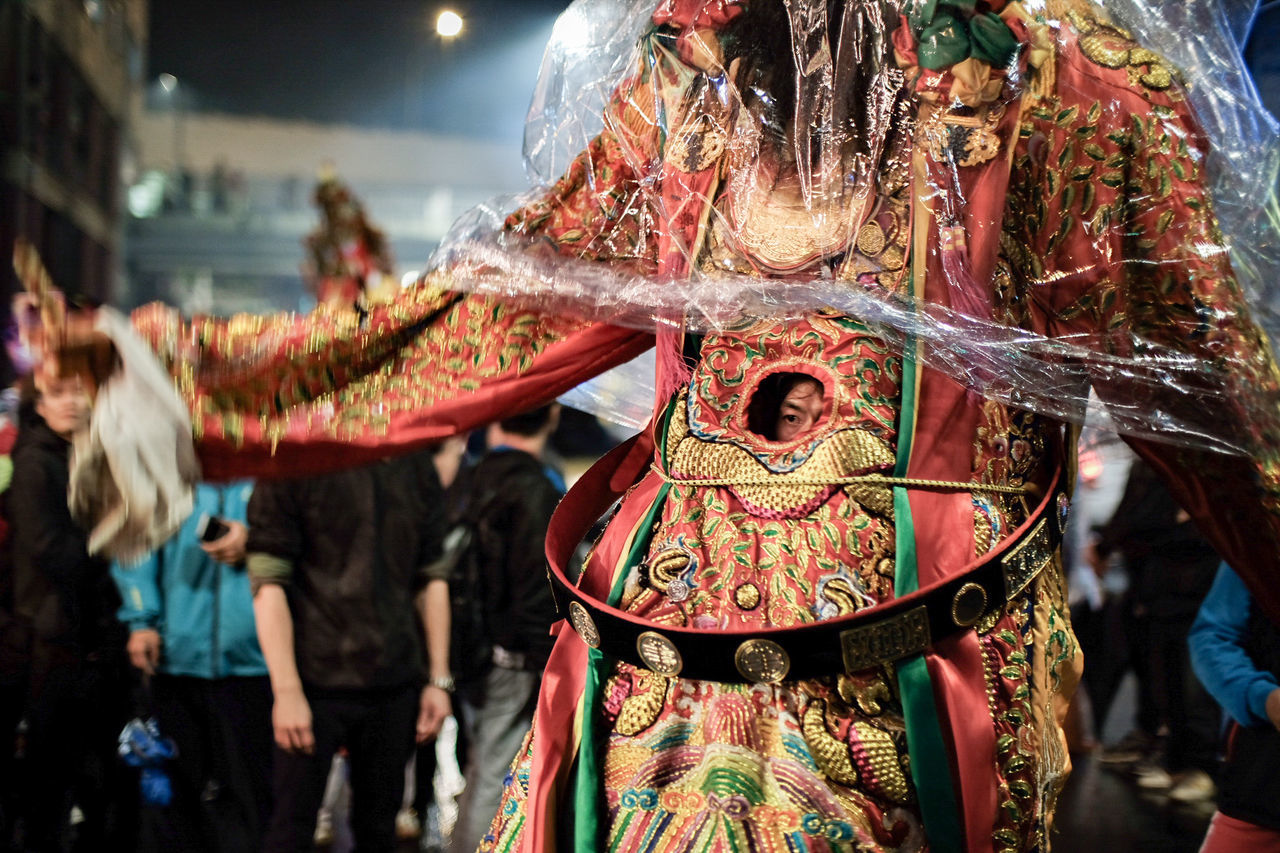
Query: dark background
(379, 63)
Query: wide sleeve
(1138, 271)
(289, 395)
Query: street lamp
(449, 24)
(173, 94)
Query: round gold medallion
(659, 654)
(968, 605)
(582, 622)
(762, 661)
(871, 239)
(747, 596)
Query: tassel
(673, 372)
(967, 297)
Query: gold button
(659, 654)
(969, 604)
(582, 622)
(762, 661)
(747, 596)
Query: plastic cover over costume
(882, 249)
(596, 66)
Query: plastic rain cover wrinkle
(707, 164)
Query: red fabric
(1234, 499)
(1229, 835)
(305, 450)
(713, 14)
(564, 677)
(946, 421)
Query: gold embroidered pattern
(871, 239)
(848, 452)
(879, 765)
(697, 145)
(641, 709)
(1111, 46)
(831, 755)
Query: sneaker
(1153, 777)
(1194, 786)
(324, 829)
(408, 827)
(1131, 749)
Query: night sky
(374, 63)
(379, 63)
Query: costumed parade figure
(347, 257)
(884, 248)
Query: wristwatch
(444, 682)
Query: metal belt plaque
(885, 640)
(762, 661)
(584, 624)
(659, 654)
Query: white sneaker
(1153, 777)
(323, 836)
(408, 826)
(1194, 786)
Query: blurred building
(221, 203)
(68, 72)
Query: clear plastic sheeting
(1205, 39)
(623, 396)
(1040, 198)
(590, 50)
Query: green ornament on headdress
(991, 39)
(943, 43)
(950, 31)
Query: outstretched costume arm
(298, 394)
(1127, 188)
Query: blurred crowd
(274, 676)
(1155, 608)
(299, 644)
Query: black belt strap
(870, 637)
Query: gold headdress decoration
(38, 284)
(40, 296)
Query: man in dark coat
(77, 697)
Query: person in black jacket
(355, 631)
(514, 494)
(1171, 567)
(78, 689)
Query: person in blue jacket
(1235, 651)
(189, 611)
